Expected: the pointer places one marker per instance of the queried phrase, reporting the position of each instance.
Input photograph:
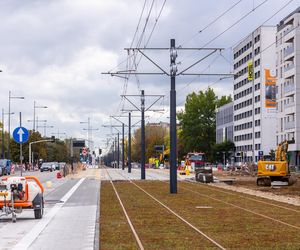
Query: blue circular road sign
(20, 135)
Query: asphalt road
(69, 219)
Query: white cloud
(54, 52)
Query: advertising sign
(250, 71)
(270, 83)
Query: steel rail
(126, 215)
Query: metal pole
(114, 152)
(123, 147)
(143, 174)
(21, 153)
(129, 142)
(173, 136)
(118, 157)
(33, 116)
(8, 144)
(30, 159)
(3, 134)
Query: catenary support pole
(173, 136)
(123, 147)
(143, 149)
(129, 142)
(118, 156)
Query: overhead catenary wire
(131, 58)
(269, 46)
(254, 8)
(213, 21)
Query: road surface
(69, 221)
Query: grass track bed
(231, 227)
(115, 232)
(157, 228)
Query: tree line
(196, 130)
(47, 151)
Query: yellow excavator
(278, 170)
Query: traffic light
(100, 151)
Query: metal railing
(289, 87)
(288, 67)
(289, 50)
(289, 125)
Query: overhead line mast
(172, 73)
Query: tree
(272, 154)
(5, 141)
(154, 135)
(226, 147)
(198, 121)
(38, 150)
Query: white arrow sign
(21, 133)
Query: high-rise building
(288, 86)
(254, 93)
(224, 123)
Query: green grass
(157, 228)
(114, 229)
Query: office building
(254, 109)
(288, 85)
(224, 123)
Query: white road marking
(28, 239)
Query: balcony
(289, 87)
(290, 104)
(289, 125)
(289, 28)
(288, 67)
(288, 51)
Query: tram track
(218, 205)
(168, 209)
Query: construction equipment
(18, 193)
(164, 158)
(195, 162)
(278, 170)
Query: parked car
(57, 166)
(5, 166)
(48, 166)
(61, 165)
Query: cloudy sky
(54, 51)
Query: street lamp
(58, 134)
(35, 107)
(3, 154)
(9, 98)
(88, 130)
(45, 127)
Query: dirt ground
(244, 183)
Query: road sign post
(21, 136)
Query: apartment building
(254, 110)
(288, 87)
(224, 123)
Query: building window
(257, 123)
(257, 98)
(257, 111)
(257, 86)
(257, 134)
